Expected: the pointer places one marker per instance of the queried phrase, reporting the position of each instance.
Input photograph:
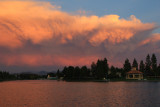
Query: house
(51, 78)
(134, 74)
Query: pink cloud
(46, 60)
(40, 21)
(63, 38)
(152, 39)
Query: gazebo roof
(134, 72)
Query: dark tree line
(101, 70)
(6, 76)
(21, 76)
(149, 67)
(28, 76)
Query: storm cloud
(40, 34)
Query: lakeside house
(51, 78)
(134, 74)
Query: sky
(47, 35)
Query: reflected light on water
(48, 93)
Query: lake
(50, 93)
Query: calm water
(48, 93)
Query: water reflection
(48, 93)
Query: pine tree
(135, 64)
(113, 72)
(102, 69)
(148, 66)
(84, 72)
(158, 70)
(98, 69)
(154, 63)
(141, 66)
(58, 74)
(126, 67)
(105, 67)
(77, 72)
(93, 68)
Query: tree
(64, 72)
(77, 72)
(58, 74)
(71, 72)
(154, 63)
(106, 68)
(113, 72)
(68, 72)
(148, 66)
(127, 65)
(135, 64)
(84, 72)
(141, 66)
(102, 69)
(158, 70)
(119, 70)
(93, 68)
(99, 69)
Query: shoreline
(112, 80)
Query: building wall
(134, 76)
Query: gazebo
(134, 74)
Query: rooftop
(134, 72)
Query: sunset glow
(37, 33)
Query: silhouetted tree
(77, 72)
(106, 67)
(58, 74)
(119, 70)
(127, 65)
(141, 66)
(65, 72)
(135, 64)
(84, 72)
(6, 76)
(102, 69)
(154, 64)
(148, 66)
(70, 72)
(113, 72)
(158, 70)
(93, 68)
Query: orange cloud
(41, 21)
(40, 34)
(153, 39)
